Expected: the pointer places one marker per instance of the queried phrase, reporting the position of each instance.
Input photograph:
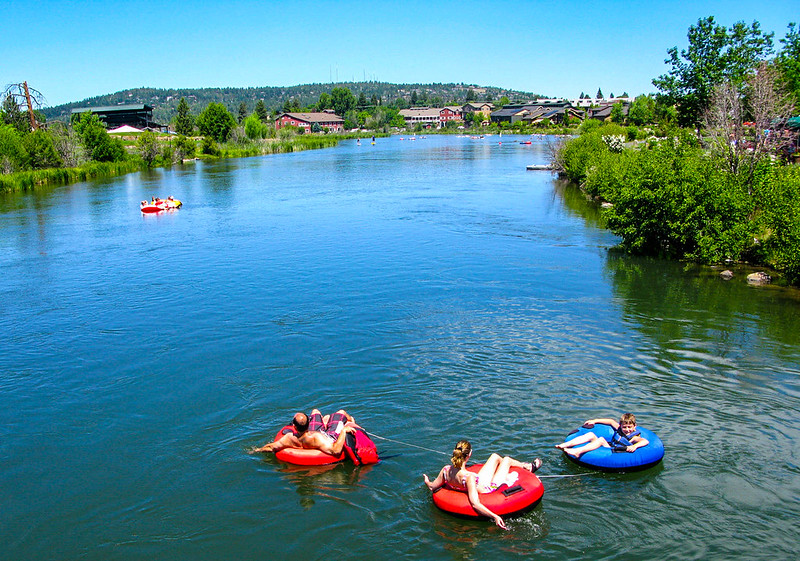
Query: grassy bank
(31, 180)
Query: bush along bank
(670, 198)
(149, 151)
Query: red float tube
(525, 494)
(303, 456)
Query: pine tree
(242, 112)
(183, 122)
(261, 111)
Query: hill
(165, 101)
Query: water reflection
(327, 481)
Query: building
(425, 116)
(603, 112)
(537, 111)
(589, 101)
(432, 117)
(485, 108)
(138, 116)
(451, 113)
(325, 120)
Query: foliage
(215, 122)
(12, 152)
(617, 113)
(183, 148)
(209, 147)
(642, 111)
(183, 122)
(715, 54)
(342, 100)
(261, 111)
(28, 180)
(777, 190)
(254, 127)
(324, 102)
(13, 116)
(788, 62)
(40, 153)
(68, 144)
(575, 158)
(671, 201)
(148, 147)
(242, 112)
(99, 145)
(740, 146)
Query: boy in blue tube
(626, 437)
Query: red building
(329, 121)
(450, 113)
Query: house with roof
(139, 116)
(485, 108)
(426, 116)
(603, 112)
(537, 111)
(326, 120)
(450, 113)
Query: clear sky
(70, 50)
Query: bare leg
(496, 469)
(486, 474)
(593, 445)
(501, 474)
(586, 437)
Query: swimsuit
(482, 489)
(332, 429)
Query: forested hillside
(165, 101)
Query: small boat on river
(159, 205)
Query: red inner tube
(457, 502)
(305, 457)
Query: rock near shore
(759, 278)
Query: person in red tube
(314, 432)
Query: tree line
(716, 182)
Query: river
(432, 287)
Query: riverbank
(33, 179)
(671, 198)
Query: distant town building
(595, 101)
(139, 116)
(425, 116)
(451, 113)
(306, 121)
(478, 107)
(537, 111)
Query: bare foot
(532, 467)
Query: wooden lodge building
(138, 116)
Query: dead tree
(25, 96)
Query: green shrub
(671, 201)
(777, 190)
(209, 147)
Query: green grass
(31, 180)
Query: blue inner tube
(605, 459)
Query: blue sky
(73, 50)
